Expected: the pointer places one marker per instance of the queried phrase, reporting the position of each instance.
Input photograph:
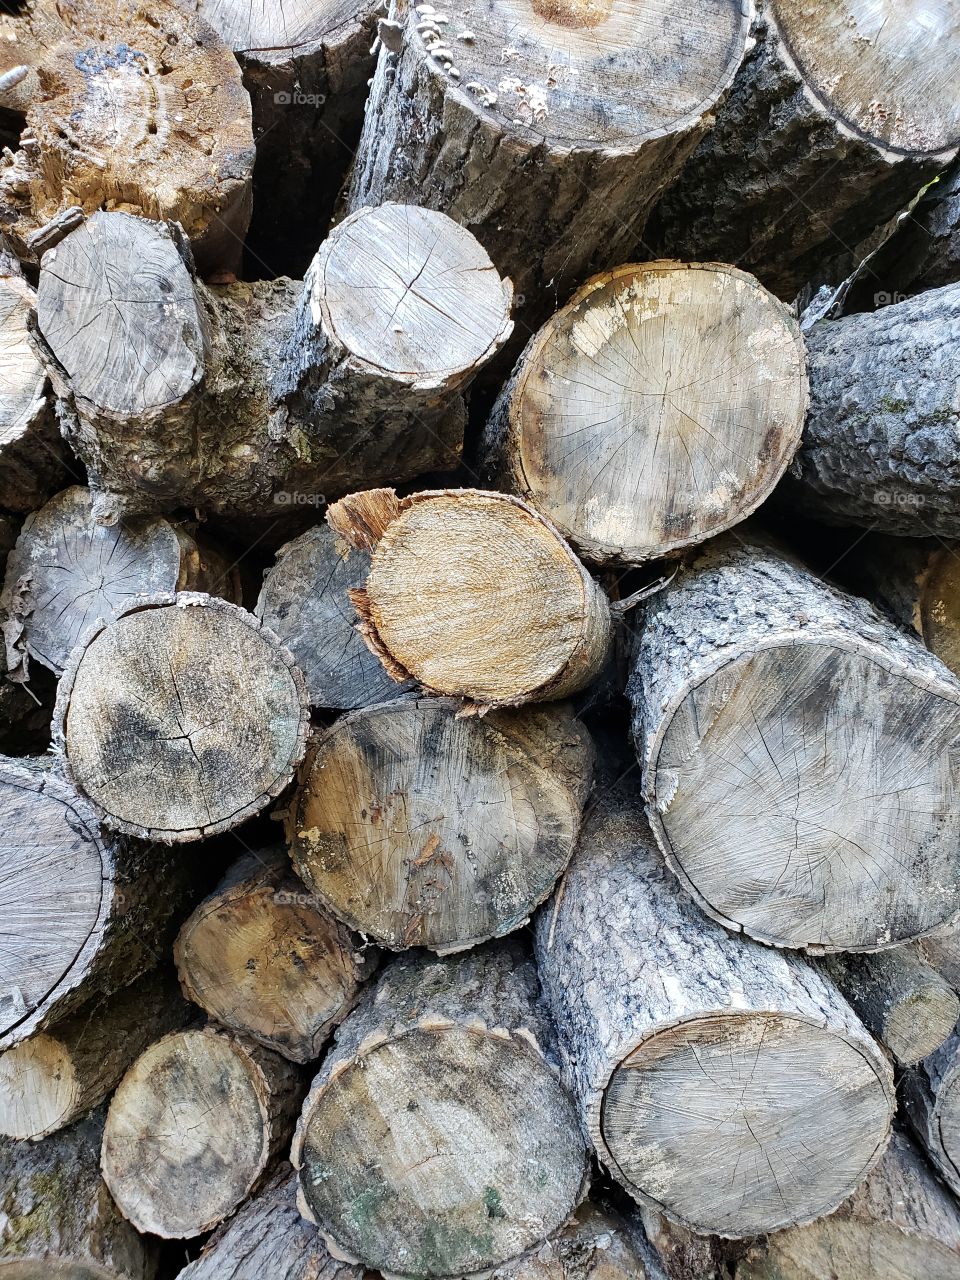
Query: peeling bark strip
(100, 909)
(56, 1076)
(799, 755)
(835, 121)
(436, 1140)
(879, 449)
(181, 719)
(931, 1095)
(192, 1128)
(67, 574)
(689, 1049)
(249, 397)
(550, 131)
(474, 595)
(262, 960)
(57, 1219)
(421, 828)
(134, 106)
(659, 407)
(595, 1245)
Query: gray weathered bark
(931, 1097)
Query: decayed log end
(658, 408)
(476, 596)
(134, 107)
(594, 1245)
(421, 828)
(181, 719)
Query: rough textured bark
(900, 998)
(181, 719)
(925, 251)
(931, 1098)
(798, 754)
(67, 573)
(595, 1245)
(548, 132)
(82, 915)
(508, 614)
(57, 1220)
(594, 428)
(251, 397)
(879, 449)
(421, 828)
(262, 960)
(304, 600)
(136, 107)
(50, 1080)
(192, 1128)
(436, 1140)
(727, 1084)
(836, 119)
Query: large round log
(421, 828)
(67, 573)
(81, 914)
(436, 1140)
(58, 1220)
(548, 130)
(262, 960)
(137, 107)
(192, 1128)
(931, 1097)
(799, 756)
(506, 612)
(252, 397)
(727, 1084)
(180, 719)
(837, 118)
(659, 407)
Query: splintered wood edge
(182, 600)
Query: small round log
(192, 1128)
(421, 828)
(58, 1075)
(67, 573)
(58, 1221)
(594, 1245)
(799, 756)
(262, 960)
(505, 612)
(726, 1084)
(659, 407)
(181, 719)
(931, 1098)
(436, 1140)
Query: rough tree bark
(659, 407)
(836, 119)
(181, 719)
(931, 1098)
(137, 107)
(550, 131)
(436, 1140)
(421, 828)
(192, 1128)
(50, 1080)
(82, 915)
(67, 573)
(304, 601)
(879, 449)
(249, 397)
(507, 613)
(799, 755)
(57, 1220)
(262, 960)
(689, 1049)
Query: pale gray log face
(276, 32)
(22, 376)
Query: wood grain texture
(263, 960)
(182, 718)
(419, 828)
(192, 1128)
(659, 407)
(688, 1048)
(798, 754)
(436, 1140)
(931, 1100)
(594, 1245)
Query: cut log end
(39, 1089)
(274, 34)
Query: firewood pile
(480, 714)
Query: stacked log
(924, 253)
(595, 1245)
(932, 1100)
